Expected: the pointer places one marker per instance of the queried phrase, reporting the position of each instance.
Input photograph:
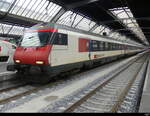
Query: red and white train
(51, 49)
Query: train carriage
(6, 51)
(50, 49)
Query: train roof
(59, 26)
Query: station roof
(126, 20)
(116, 14)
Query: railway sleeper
(105, 102)
(100, 98)
(99, 101)
(112, 87)
(106, 91)
(84, 109)
(115, 89)
(105, 96)
(117, 84)
(96, 108)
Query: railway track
(20, 90)
(109, 96)
(15, 92)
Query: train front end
(32, 56)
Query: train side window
(99, 45)
(113, 46)
(102, 46)
(60, 39)
(13, 47)
(109, 46)
(94, 46)
(119, 48)
(116, 46)
(122, 47)
(106, 46)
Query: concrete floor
(3, 66)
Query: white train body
(70, 53)
(6, 51)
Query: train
(7, 50)
(48, 49)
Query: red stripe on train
(38, 30)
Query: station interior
(74, 56)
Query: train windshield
(40, 38)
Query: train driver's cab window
(60, 39)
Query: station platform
(145, 99)
(3, 66)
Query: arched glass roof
(10, 29)
(45, 11)
(125, 15)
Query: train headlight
(17, 61)
(39, 62)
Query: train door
(90, 49)
(85, 46)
